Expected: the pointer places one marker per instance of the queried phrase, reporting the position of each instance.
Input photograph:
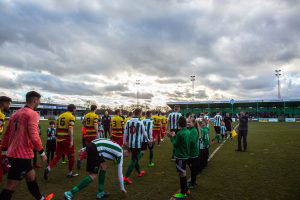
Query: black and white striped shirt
(217, 120)
(173, 119)
(111, 151)
(135, 132)
(148, 123)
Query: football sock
(141, 154)
(217, 138)
(130, 168)
(34, 190)
(151, 156)
(6, 194)
(183, 185)
(71, 163)
(82, 184)
(193, 175)
(137, 167)
(101, 180)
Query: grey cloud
(171, 80)
(258, 83)
(116, 88)
(141, 95)
(8, 83)
(187, 94)
(53, 84)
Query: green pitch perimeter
(269, 170)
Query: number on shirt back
(88, 120)
(132, 129)
(62, 122)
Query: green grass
(269, 170)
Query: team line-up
(104, 139)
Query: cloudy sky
(77, 50)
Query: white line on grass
(217, 149)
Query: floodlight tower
(278, 74)
(137, 83)
(193, 83)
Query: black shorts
(93, 160)
(146, 146)
(19, 168)
(135, 153)
(194, 162)
(228, 128)
(217, 129)
(181, 165)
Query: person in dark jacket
(242, 131)
(106, 124)
(228, 124)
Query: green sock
(151, 156)
(141, 154)
(101, 180)
(137, 167)
(130, 168)
(82, 184)
(217, 138)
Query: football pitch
(269, 170)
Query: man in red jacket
(19, 141)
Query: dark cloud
(258, 83)
(54, 84)
(8, 83)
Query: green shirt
(181, 143)
(205, 136)
(194, 144)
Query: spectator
(242, 131)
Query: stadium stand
(47, 110)
(285, 108)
